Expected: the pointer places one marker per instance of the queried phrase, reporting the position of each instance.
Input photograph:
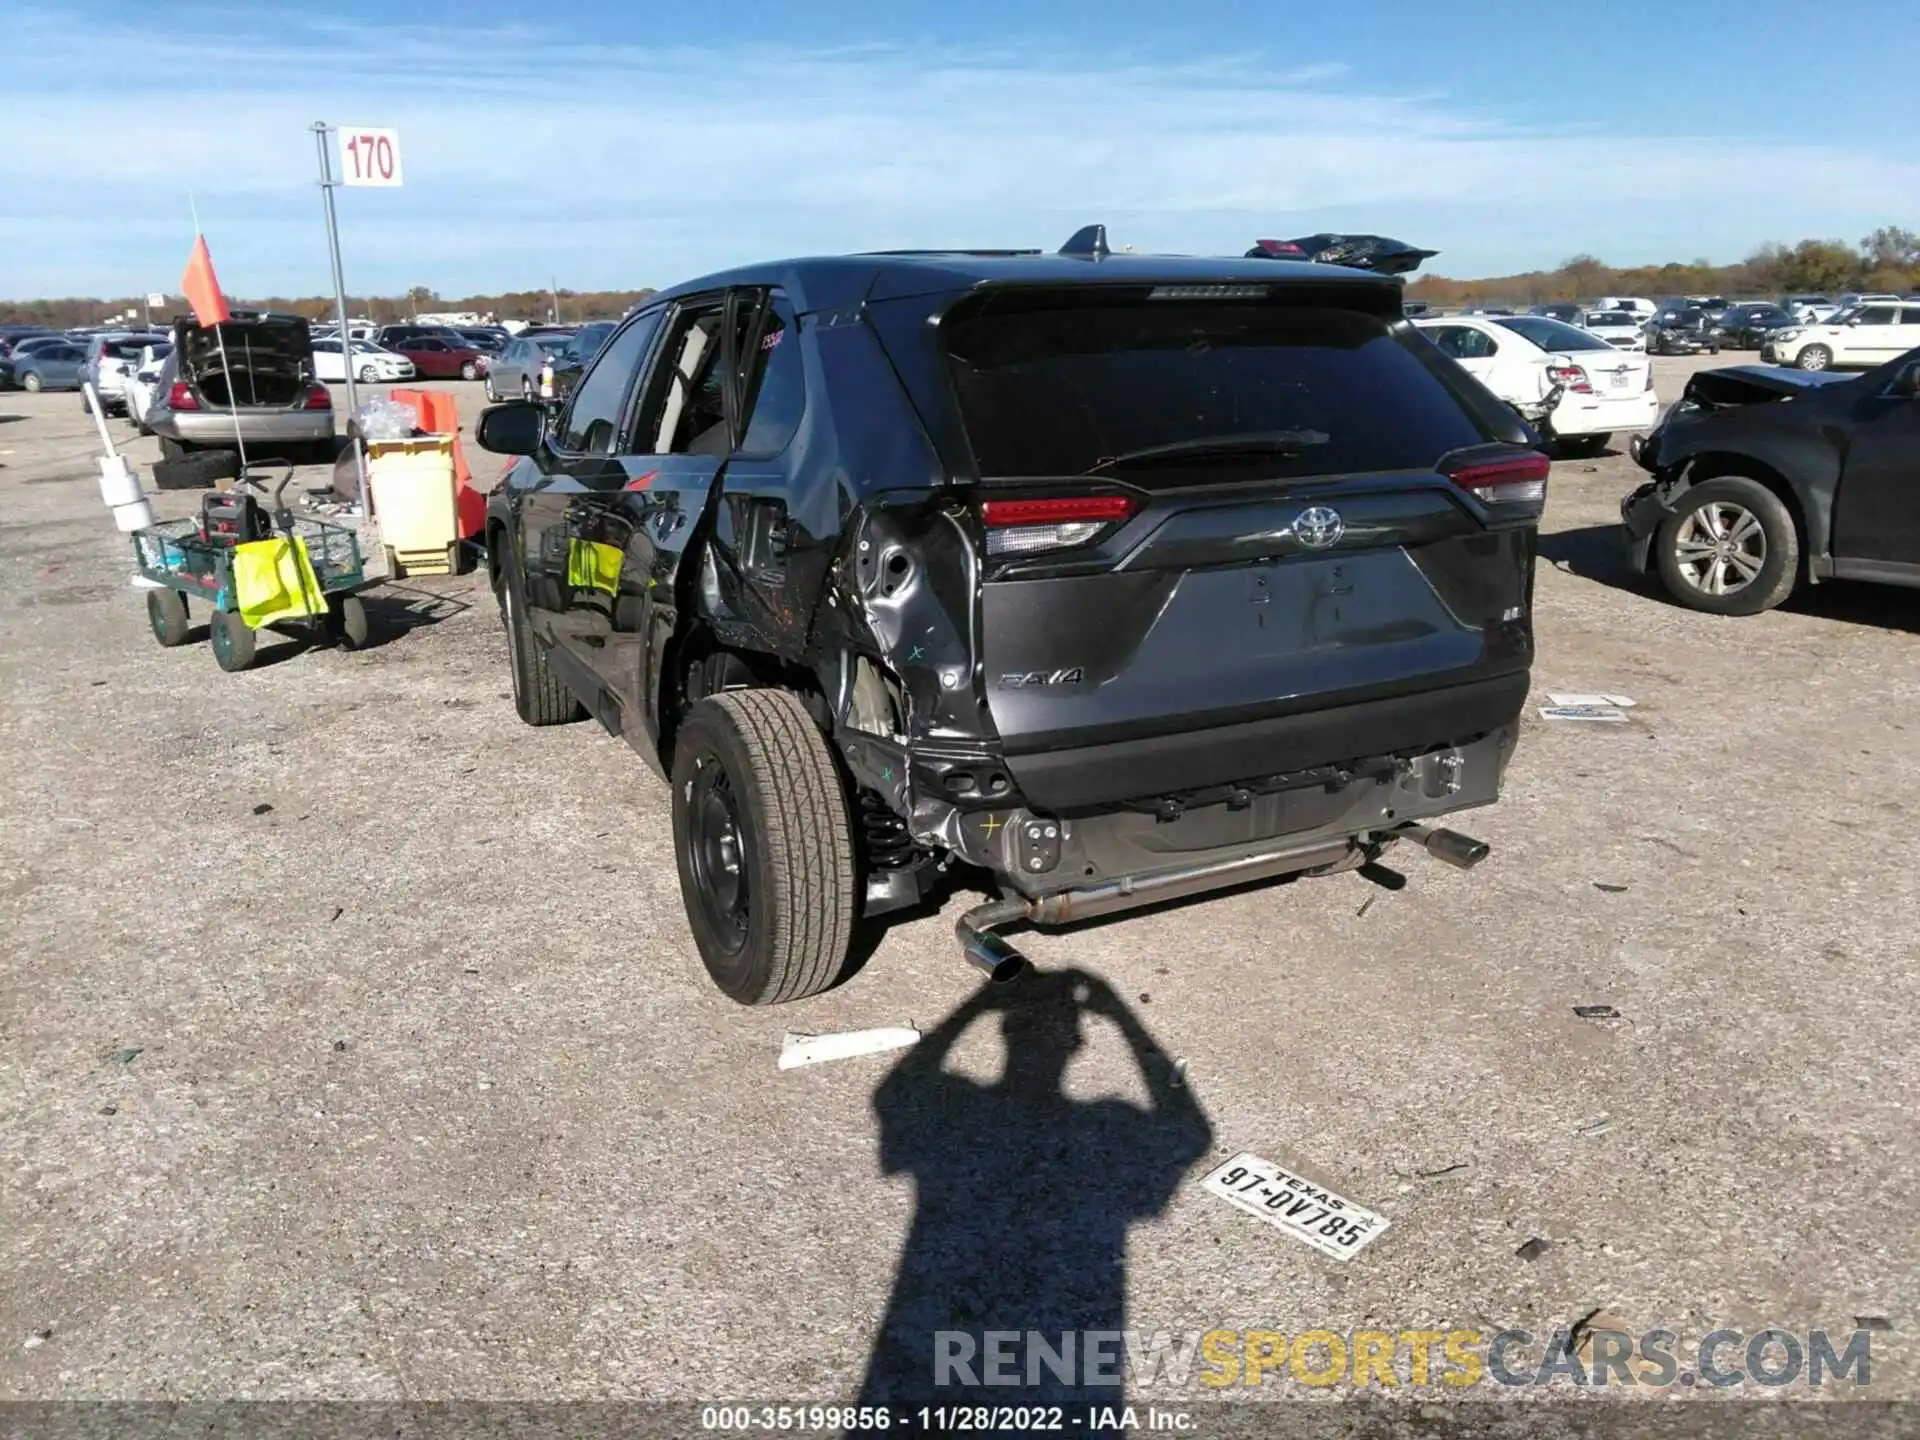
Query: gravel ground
(411, 1085)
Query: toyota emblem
(1319, 528)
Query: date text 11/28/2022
(940, 1419)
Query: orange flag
(202, 287)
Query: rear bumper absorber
(1001, 962)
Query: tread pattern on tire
(807, 840)
(543, 697)
(196, 471)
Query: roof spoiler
(1379, 253)
(1088, 243)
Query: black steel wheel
(764, 845)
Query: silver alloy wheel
(1720, 548)
(1815, 357)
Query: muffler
(1461, 851)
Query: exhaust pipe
(1461, 851)
(986, 951)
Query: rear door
(771, 555)
(1474, 349)
(1141, 584)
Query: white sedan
(371, 363)
(1621, 329)
(1521, 358)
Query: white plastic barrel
(134, 515)
(118, 484)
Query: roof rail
(989, 254)
(1088, 243)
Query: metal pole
(327, 183)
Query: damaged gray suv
(1119, 577)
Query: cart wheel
(232, 641)
(167, 614)
(351, 626)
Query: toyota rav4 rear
(1255, 574)
(1123, 578)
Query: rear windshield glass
(1058, 383)
(1552, 334)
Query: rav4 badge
(1042, 677)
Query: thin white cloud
(530, 155)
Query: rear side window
(1463, 342)
(773, 380)
(1910, 315)
(1059, 382)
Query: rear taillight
(1028, 527)
(1649, 384)
(1571, 376)
(1516, 480)
(180, 397)
(318, 398)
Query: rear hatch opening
(1209, 506)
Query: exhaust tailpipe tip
(1451, 847)
(986, 951)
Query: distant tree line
(532, 305)
(1886, 260)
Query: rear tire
(197, 471)
(764, 846)
(167, 615)
(233, 641)
(171, 449)
(1584, 447)
(1814, 357)
(1733, 536)
(540, 696)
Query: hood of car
(1753, 384)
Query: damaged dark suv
(1120, 577)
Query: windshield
(1054, 382)
(1840, 317)
(1614, 318)
(1551, 334)
(553, 344)
(588, 342)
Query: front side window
(593, 419)
(1876, 315)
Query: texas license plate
(1620, 380)
(1330, 1223)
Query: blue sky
(614, 144)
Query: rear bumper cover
(1325, 826)
(1090, 776)
(216, 427)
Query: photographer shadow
(1024, 1200)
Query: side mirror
(515, 428)
(1853, 320)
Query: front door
(1877, 513)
